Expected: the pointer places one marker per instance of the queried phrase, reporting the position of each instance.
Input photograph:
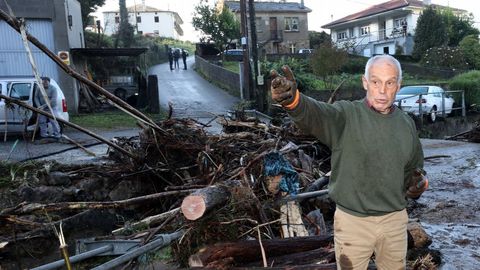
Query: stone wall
(226, 79)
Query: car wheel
(432, 116)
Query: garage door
(13, 57)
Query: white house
(147, 21)
(386, 28)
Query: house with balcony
(282, 27)
(386, 28)
(146, 20)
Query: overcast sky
(323, 11)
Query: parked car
(16, 119)
(305, 51)
(432, 100)
(233, 54)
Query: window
(259, 24)
(140, 32)
(399, 22)
(139, 19)
(156, 19)
(365, 30)
(293, 48)
(342, 35)
(291, 23)
(117, 19)
(20, 91)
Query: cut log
(249, 250)
(329, 266)
(317, 256)
(195, 205)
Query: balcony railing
(381, 35)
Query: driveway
(17, 148)
(190, 94)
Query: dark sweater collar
(365, 101)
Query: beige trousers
(357, 238)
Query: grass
(110, 119)
(232, 66)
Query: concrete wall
(75, 28)
(61, 33)
(220, 76)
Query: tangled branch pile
(172, 164)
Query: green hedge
(470, 82)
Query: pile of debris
(472, 135)
(252, 196)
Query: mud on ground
(449, 209)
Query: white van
(16, 119)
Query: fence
(433, 108)
(222, 77)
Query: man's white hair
(387, 57)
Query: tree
(327, 60)
(430, 32)
(317, 38)
(458, 26)
(470, 47)
(221, 27)
(89, 6)
(125, 30)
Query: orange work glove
(418, 184)
(284, 89)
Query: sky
(323, 11)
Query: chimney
(427, 2)
(302, 4)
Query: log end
(193, 207)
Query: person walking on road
(377, 162)
(176, 56)
(42, 104)
(184, 58)
(170, 58)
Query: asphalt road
(190, 94)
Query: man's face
(381, 85)
(45, 84)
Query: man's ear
(364, 83)
(399, 85)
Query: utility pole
(257, 93)
(246, 54)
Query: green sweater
(373, 154)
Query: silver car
(431, 99)
(16, 119)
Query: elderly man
(377, 160)
(42, 104)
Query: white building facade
(146, 21)
(386, 28)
